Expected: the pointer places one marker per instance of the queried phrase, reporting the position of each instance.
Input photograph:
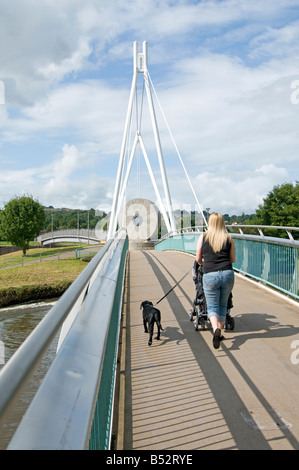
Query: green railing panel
(273, 263)
(101, 428)
(186, 242)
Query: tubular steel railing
(238, 228)
(73, 407)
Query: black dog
(150, 316)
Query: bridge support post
(140, 66)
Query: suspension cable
(177, 150)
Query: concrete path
(181, 393)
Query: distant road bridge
(72, 235)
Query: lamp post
(52, 228)
(88, 225)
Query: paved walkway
(181, 393)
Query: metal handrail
(64, 413)
(240, 227)
(260, 228)
(18, 370)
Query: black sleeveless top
(216, 261)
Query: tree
(21, 221)
(281, 206)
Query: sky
(225, 74)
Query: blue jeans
(217, 287)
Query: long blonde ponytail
(217, 235)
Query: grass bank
(38, 281)
(38, 254)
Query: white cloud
(276, 42)
(225, 192)
(68, 183)
(90, 111)
(42, 42)
(62, 183)
(222, 70)
(33, 35)
(225, 113)
(57, 71)
(230, 195)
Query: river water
(16, 323)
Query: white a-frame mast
(140, 66)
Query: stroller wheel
(203, 323)
(230, 323)
(196, 323)
(191, 314)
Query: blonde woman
(216, 252)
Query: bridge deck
(180, 393)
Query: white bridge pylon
(140, 67)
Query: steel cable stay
(128, 140)
(177, 150)
(138, 116)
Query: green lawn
(38, 281)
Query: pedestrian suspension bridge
(106, 388)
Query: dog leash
(173, 287)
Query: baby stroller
(199, 309)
